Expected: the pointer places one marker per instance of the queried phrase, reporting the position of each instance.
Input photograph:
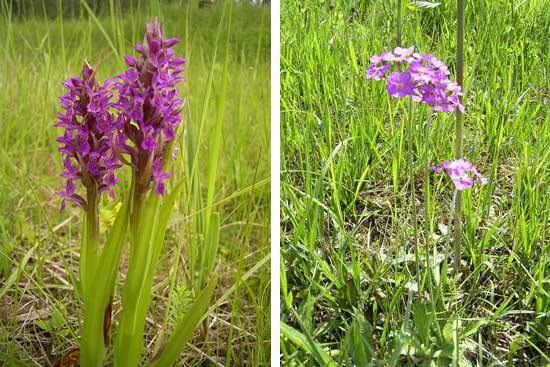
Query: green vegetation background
(348, 275)
(39, 311)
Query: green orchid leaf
(136, 293)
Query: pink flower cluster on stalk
(150, 107)
(422, 76)
(86, 141)
(99, 132)
(462, 173)
(426, 79)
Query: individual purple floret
(86, 141)
(377, 69)
(402, 54)
(462, 173)
(400, 85)
(150, 107)
(422, 76)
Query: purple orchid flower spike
(462, 173)
(86, 142)
(422, 76)
(150, 107)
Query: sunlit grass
(39, 317)
(349, 275)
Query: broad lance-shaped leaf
(136, 294)
(92, 346)
(307, 344)
(110, 260)
(173, 348)
(110, 256)
(357, 346)
(423, 320)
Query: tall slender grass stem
(399, 22)
(458, 129)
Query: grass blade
(307, 344)
(184, 330)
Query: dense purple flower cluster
(86, 141)
(422, 76)
(149, 107)
(100, 133)
(462, 173)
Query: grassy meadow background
(44, 43)
(349, 288)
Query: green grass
(39, 308)
(349, 274)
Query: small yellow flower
(107, 216)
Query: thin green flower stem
(427, 221)
(434, 293)
(412, 190)
(458, 130)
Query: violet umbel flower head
(462, 173)
(150, 107)
(86, 141)
(422, 76)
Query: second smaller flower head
(462, 173)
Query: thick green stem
(135, 212)
(458, 129)
(92, 348)
(90, 245)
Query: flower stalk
(457, 228)
(92, 237)
(424, 79)
(412, 204)
(92, 347)
(427, 221)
